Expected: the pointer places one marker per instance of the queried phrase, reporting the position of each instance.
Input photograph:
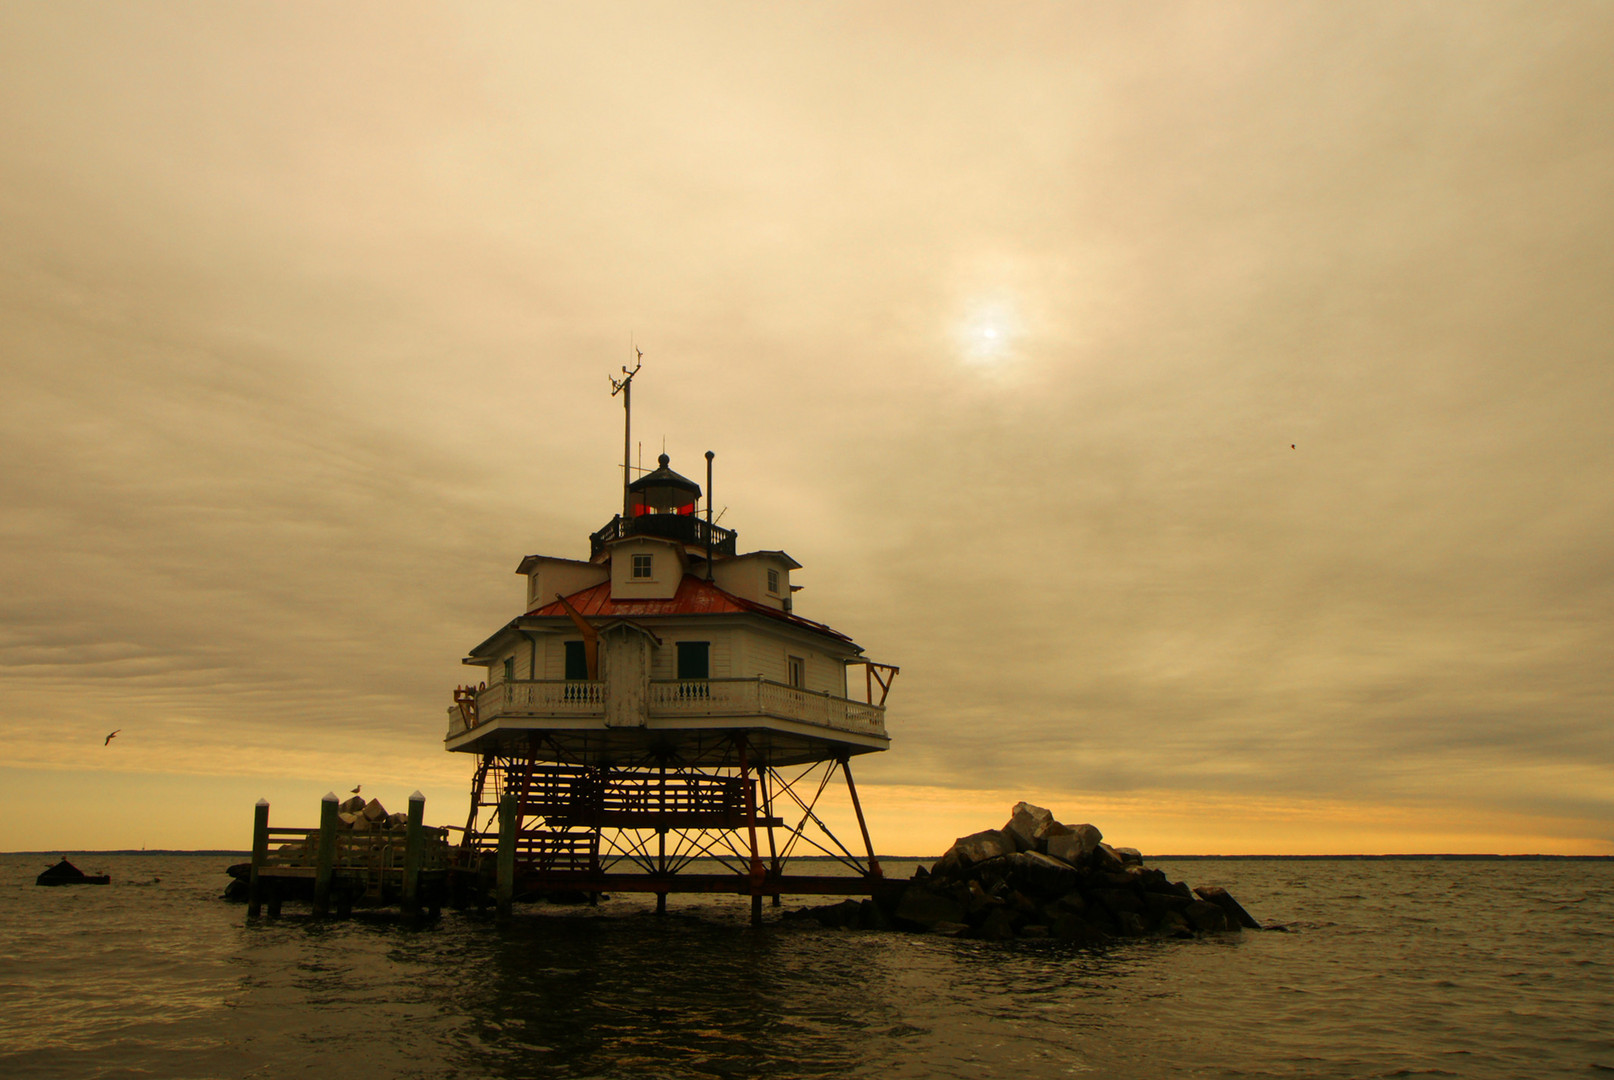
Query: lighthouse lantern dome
(663, 492)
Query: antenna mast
(624, 386)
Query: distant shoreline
(1404, 858)
(63, 852)
(60, 852)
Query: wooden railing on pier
(568, 796)
(368, 865)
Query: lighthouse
(658, 718)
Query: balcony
(673, 699)
(762, 697)
(687, 529)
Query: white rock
(1108, 858)
(1028, 824)
(1066, 847)
(978, 847)
(1089, 834)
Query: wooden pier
(337, 866)
(417, 870)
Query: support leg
(765, 777)
(874, 864)
(506, 868)
(758, 874)
(478, 784)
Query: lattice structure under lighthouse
(659, 719)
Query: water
(1472, 969)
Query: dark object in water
(65, 873)
(1219, 896)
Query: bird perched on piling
(356, 788)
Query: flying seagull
(109, 738)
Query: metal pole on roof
(627, 426)
(709, 457)
(625, 388)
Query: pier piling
(412, 854)
(260, 854)
(326, 860)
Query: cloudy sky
(1207, 405)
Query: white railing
(532, 697)
(763, 697)
(703, 697)
(542, 697)
(676, 698)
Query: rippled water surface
(1475, 969)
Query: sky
(1206, 405)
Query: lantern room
(663, 492)
(663, 504)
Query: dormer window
(773, 582)
(642, 567)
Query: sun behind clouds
(988, 335)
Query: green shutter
(576, 661)
(694, 660)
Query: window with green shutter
(576, 661)
(694, 660)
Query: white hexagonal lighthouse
(658, 718)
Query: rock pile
(361, 816)
(1038, 878)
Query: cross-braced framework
(657, 823)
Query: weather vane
(624, 386)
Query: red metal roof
(695, 596)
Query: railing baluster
(681, 697)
